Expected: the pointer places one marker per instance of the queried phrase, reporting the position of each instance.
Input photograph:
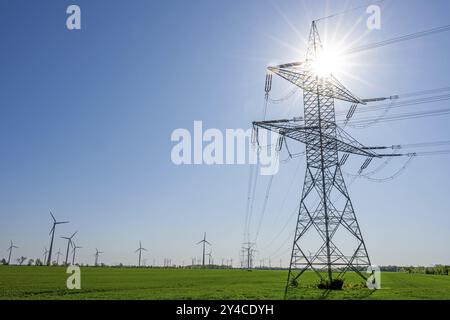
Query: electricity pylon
(325, 206)
(247, 254)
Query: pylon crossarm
(303, 134)
(300, 75)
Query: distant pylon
(247, 255)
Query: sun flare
(327, 62)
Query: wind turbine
(210, 259)
(57, 256)
(140, 252)
(45, 254)
(10, 249)
(97, 253)
(52, 232)
(69, 243)
(74, 250)
(204, 243)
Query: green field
(114, 283)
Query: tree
(21, 260)
(4, 262)
(30, 262)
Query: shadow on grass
(309, 293)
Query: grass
(115, 283)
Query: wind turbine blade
(51, 230)
(61, 222)
(53, 217)
(73, 234)
(200, 242)
(144, 249)
(137, 250)
(208, 242)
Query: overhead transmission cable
(386, 42)
(266, 197)
(398, 39)
(393, 105)
(348, 10)
(360, 123)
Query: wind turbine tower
(97, 253)
(58, 254)
(45, 255)
(69, 243)
(210, 258)
(10, 249)
(52, 233)
(140, 252)
(74, 250)
(204, 242)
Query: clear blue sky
(86, 118)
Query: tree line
(437, 269)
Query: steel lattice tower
(325, 205)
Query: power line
(425, 144)
(284, 98)
(432, 153)
(249, 191)
(407, 37)
(391, 177)
(393, 105)
(348, 10)
(386, 107)
(361, 123)
(294, 177)
(266, 198)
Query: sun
(327, 62)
